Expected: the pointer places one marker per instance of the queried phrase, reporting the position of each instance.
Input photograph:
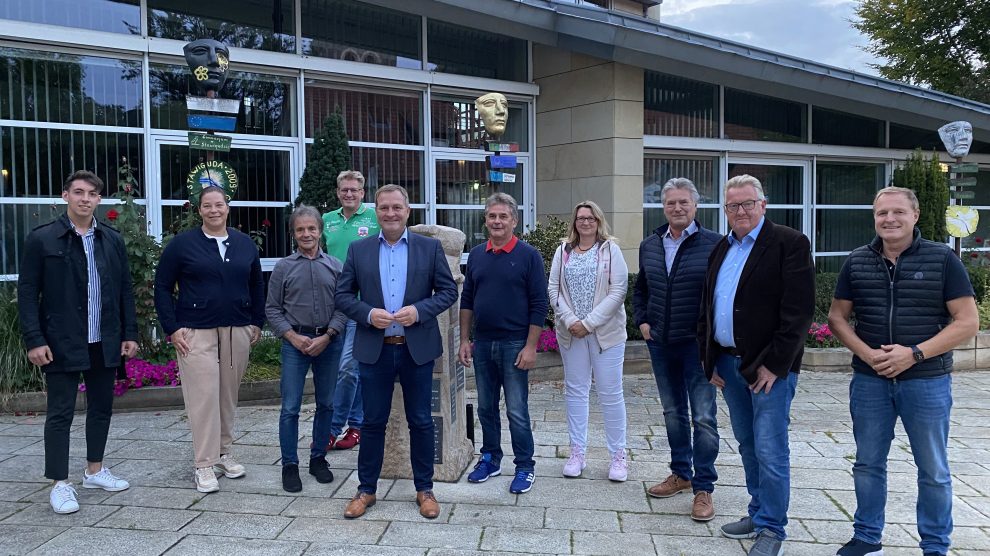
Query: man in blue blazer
(394, 285)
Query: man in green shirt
(351, 222)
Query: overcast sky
(817, 30)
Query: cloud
(819, 30)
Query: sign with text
(962, 182)
(212, 123)
(963, 194)
(964, 168)
(495, 146)
(501, 177)
(203, 104)
(507, 161)
(205, 142)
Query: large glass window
(266, 100)
(466, 51)
(115, 16)
(679, 107)
(384, 166)
(360, 32)
(829, 127)
(457, 124)
(66, 88)
(761, 118)
(465, 183)
(702, 171)
(981, 238)
(843, 209)
(17, 221)
(783, 186)
(255, 24)
(369, 116)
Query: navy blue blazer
(430, 288)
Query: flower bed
(141, 373)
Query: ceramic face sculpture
(494, 112)
(208, 61)
(957, 137)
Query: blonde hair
(911, 197)
(742, 181)
(350, 175)
(603, 230)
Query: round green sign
(212, 173)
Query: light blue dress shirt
(671, 245)
(393, 264)
(728, 281)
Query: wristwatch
(919, 355)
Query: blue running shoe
(522, 482)
(484, 469)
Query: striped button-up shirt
(93, 303)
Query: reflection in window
(17, 221)
(384, 166)
(792, 218)
(472, 223)
(456, 124)
(843, 229)
(906, 137)
(782, 185)
(679, 107)
(468, 51)
(840, 128)
(67, 88)
(115, 16)
(847, 183)
(829, 264)
(465, 182)
(269, 222)
(761, 118)
(263, 174)
(658, 170)
(255, 24)
(266, 100)
(359, 32)
(368, 116)
(653, 218)
(34, 162)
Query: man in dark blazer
(757, 304)
(394, 285)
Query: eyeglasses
(347, 191)
(586, 219)
(747, 206)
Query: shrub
(631, 329)
(824, 291)
(330, 155)
(17, 374)
(545, 237)
(930, 184)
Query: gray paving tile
(698, 546)
(504, 539)
(497, 516)
(108, 542)
(151, 519)
(586, 494)
(332, 531)
(11, 444)
(618, 544)
(238, 502)
(156, 497)
(42, 514)
(21, 539)
(674, 525)
(237, 525)
(432, 535)
(337, 549)
(12, 492)
(197, 545)
(582, 520)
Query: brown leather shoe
(359, 504)
(428, 506)
(669, 487)
(702, 509)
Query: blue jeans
(347, 406)
(682, 385)
(295, 365)
(495, 369)
(759, 423)
(377, 384)
(923, 404)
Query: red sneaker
(333, 440)
(348, 440)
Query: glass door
(787, 185)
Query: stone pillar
(589, 140)
(453, 449)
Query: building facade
(604, 104)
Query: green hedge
(824, 290)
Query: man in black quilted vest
(667, 296)
(913, 303)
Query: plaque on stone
(435, 397)
(437, 439)
(460, 376)
(453, 406)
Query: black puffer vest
(906, 311)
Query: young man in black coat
(77, 316)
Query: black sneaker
(856, 547)
(319, 468)
(290, 478)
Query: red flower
(187, 204)
(974, 255)
(978, 240)
(112, 215)
(266, 223)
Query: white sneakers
(575, 464)
(106, 480)
(229, 467)
(63, 498)
(618, 470)
(206, 480)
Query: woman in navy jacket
(210, 297)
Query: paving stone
(156, 497)
(164, 473)
(493, 515)
(267, 479)
(152, 519)
(83, 495)
(839, 532)
(11, 444)
(152, 433)
(12, 492)
(582, 520)
(493, 491)
(320, 530)
(238, 502)
(108, 542)
(618, 544)
(36, 430)
(674, 525)
(430, 535)
(338, 549)
(258, 438)
(157, 450)
(77, 450)
(586, 494)
(10, 508)
(21, 539)
(42, 514)
(504, 539)
(27, 469)
(698, 546)
(901, 508)
(972, 538)
(197, 545)
(237, 525)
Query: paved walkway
(162, 512)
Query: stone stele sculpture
(208, 60)
(957, 137)
(494, 111)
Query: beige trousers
(211, 375)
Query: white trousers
(582, 360)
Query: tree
(938, 43)
(329, 156)
(929, 183)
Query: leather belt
(731, 351)
(318, 331)
(394, 340)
